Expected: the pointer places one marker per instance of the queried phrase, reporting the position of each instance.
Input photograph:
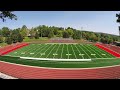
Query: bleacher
(62, 40)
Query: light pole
(41, 33)
(81, 31)
(118, 21)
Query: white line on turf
(96, 52)
(62, 50)
(51, 59)
(46, 50)
(67, 51)
(51, 50)
(56, 51)
(39, 50)
(89, 50)
(100, 51)
(79, 52)
(74, 52)
(84, 51)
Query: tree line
(10, 36)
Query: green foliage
(76, 35)
(1, 39)
(66, 34)
(7, 14)
(36, 35)
(5, 31)
(60, 34)
(51, 34)
(20, 38)
(24, 31)
(8, 40)
(14, 38)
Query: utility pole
(41, 33)
(81, 31)
(118, 21)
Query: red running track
(10, 48)
(108, 50)
(26, 72)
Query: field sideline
(61, 51)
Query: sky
(96, 21)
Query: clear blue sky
(98, 21)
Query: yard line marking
(84, 51)
(43, 47)
(35, 49)
(104, 52)
(67, 51)
(97, 49)
(19, 51)
(31, 48)
(62, 51)
(94, 51)
(68, 54)
(23, 53)
(42, 53)
(51, 50)
(88, 50)
(73, 51)
(55, 54)
(46, 50)
(56, 51)
(79, 52)
(93, 54)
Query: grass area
(61, 51)
(62, 64)
(41, 39)
(99, 58)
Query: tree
(51, 34)
(76, 34)
(5, 31)
(1, 39)
(14, 38)
(20, 38)
(59, 34)
(7, 14)
(36, 35)
(70, 31)
(66, 34)
(24, 31)
(32, 33)
(8, 40)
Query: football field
(61, 51)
